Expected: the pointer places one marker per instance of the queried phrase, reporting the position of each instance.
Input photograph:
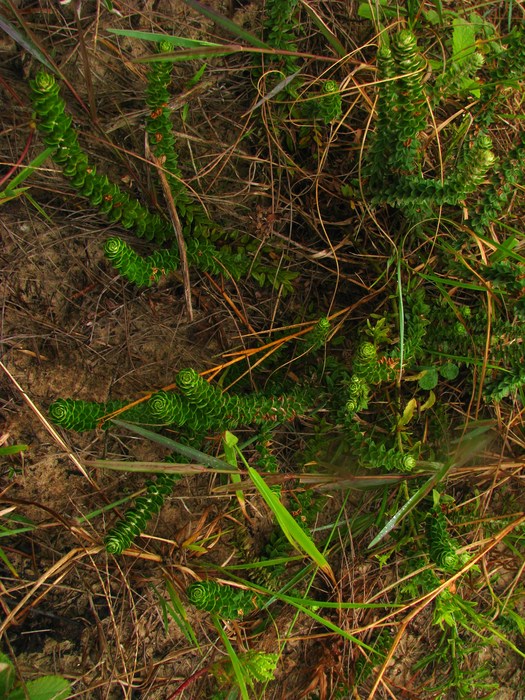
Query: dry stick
(50, 429)
(429, 597)
(85, 61)
(178, 234)
(230, 303)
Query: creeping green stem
(134, 522)
(57, 131)
(86, 415)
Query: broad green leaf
(463, 39)
(408, 413)
(429, 379)
(7, 675)
(12, 449)
(449, 371)
(367, 10)
(429, 402)
(45, 688)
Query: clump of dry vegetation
(263, 369)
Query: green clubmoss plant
(80, 415)
(257, 667)
(119, 206)
(159, 128)
(57, 131)
(326, 106)
(318, 336)
(509, 175)
(142, 271)
(224, 601)
(393, 162)
(456, 74)
(134, 521)
(441, 546)
(509, 68)
(210, 407)
(279, 33)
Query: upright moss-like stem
(510, 65)
(442, 548)
(456, 74)
(410, 118)
(510, 173)
(401, 116)
(401, 111)
(279, 32)
(159, 127)
(375, 454)
(471, 170)
(381, 148)
(327, 107)
(224, 601)
(162, 142)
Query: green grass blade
(184, 450)
(177, 612)
(412, 502)
(12, 449)
(193, 54)
(111, 506)
(236, 664)
(3, 557)
(28, 170)
(226, 23)
(25, 42)
(325, 31)
(308, 603)
(154, 467)
(292, 531)
(230, 452)
(157, 37)
(178, 607)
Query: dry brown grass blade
(242, 317)
(47, 425)
(61, 568)
(178, 235)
